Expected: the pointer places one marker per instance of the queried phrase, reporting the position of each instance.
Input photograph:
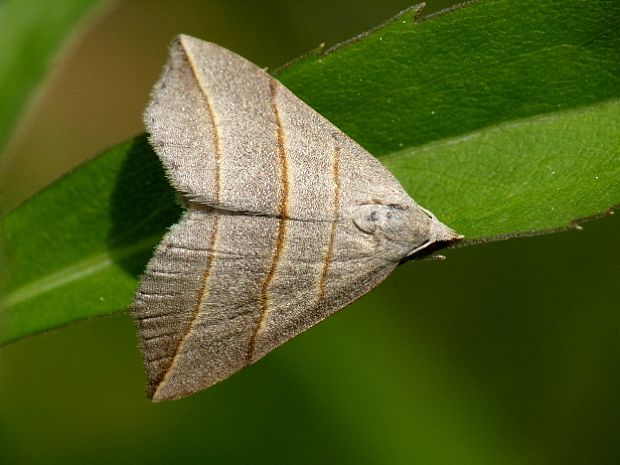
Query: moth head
(405, 231)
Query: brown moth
(287, 220)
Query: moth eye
(367, 220)
(372, 216)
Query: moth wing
(207, 119)
(222, 126)
(269, 245)
(223, 290)
(200, 298)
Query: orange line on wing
(282, 215)
(332, 227)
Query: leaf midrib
(79, 270)
(102, 260)
(502, 125)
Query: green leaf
(76, 249)
(31, 32)
(501, 118)
(519, 178)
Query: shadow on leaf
(143, 207)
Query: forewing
(222, 290)
(208, 119)
(225, 130)
(200, 298)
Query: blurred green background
(505, 353)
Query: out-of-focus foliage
(31, 32)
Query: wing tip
(186, 42)
(154, 393)
(157, 392)
(163, 391)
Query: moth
(287, 220)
